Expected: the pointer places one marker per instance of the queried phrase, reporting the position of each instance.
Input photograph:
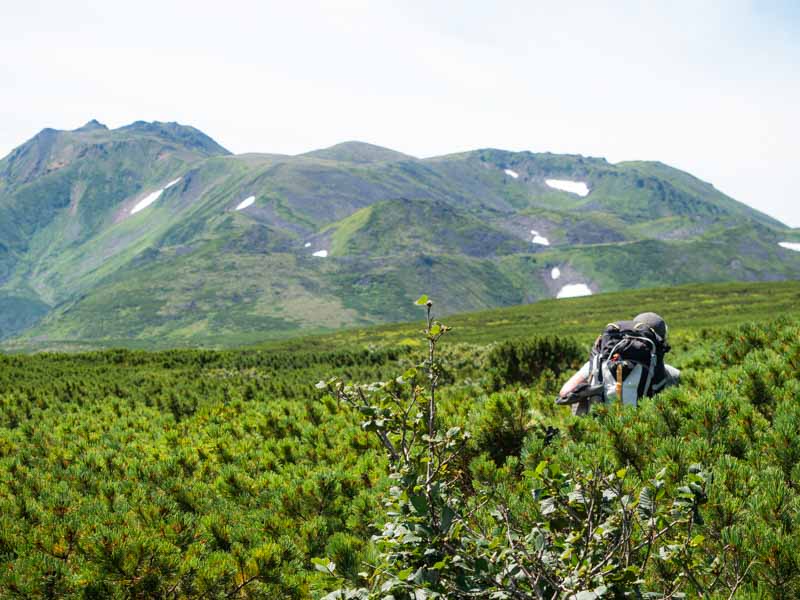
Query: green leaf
(548, 506)
(453, 431)
(538, 539)
(447, 518)
(324, 565)
(697, 540)
(422, 300)
(420, 504)
(646, 503)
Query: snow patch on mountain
(573, 290)
(246, 202)
(538, 239)
(555, 273)
(321, 253)
(152, 197)
(790, 246)
(511, 173)
(147, 201)
(565, 185)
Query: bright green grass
(684, 307)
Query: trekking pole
(619, 378)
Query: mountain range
(155, 235)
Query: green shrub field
(230, 474)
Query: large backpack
(627, 360)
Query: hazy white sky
(711, 87)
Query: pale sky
(710, 87)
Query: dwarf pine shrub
(198, 474)
(523, 362)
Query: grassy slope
(430, 227)
(244, 285)
(685, 307)
(689, 184)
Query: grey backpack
(626, 363)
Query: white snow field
(573, 290)
(513, 174)
(538, 239)
(565, 185)
(790, 246)
(308, 244)
(555, 273)
(246, 202)
(147, 201)
(152, 197)
(321, 253)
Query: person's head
(650, 320)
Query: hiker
(626, 362)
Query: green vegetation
(459, 528)
(189, 473)
(429, 227)
(190, 270)
(17, 313)
(698, 305)
(687, 308)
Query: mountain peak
(184, 135)
(92, 125)
(359, 152)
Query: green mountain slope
(155, 232)
(358, 152)
(429, 227)
(63, 190)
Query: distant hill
(358, 152)
(156, 232)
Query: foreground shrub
(581, 534)
(523, 361)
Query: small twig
(533, 581)
(740, 579)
